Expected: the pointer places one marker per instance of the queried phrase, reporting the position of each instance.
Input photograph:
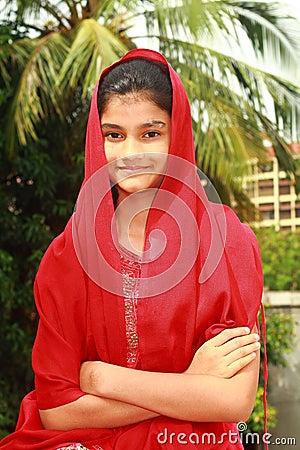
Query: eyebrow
(150, 124)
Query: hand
(225, 354)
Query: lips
(133, 169)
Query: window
(267, 215)
(284, 190)
(285, 214)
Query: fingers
(227, 353)
(242, 352)
(239, 364)
(239, 343)
(228, 334)
(234, 348)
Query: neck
(131, 218)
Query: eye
(151, 134)
(113, 136)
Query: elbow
(77, 414)
(47, 420)
(246, 413)
(51, 420)
(241, 409)
(243, 394)
(241, 415)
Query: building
(273, 194)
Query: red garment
(80, 320)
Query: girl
(147, 298)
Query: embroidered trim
(73, 447)
(131, 271)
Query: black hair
(151, 79)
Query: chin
(139, 183)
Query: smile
(133, 169)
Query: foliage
(37, 193)
(280, 336)
(17, 324)
(280, 256)
(255, 424)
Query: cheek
(109, 153)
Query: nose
(131, 150)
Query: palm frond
(93, 48)
(239, 103)
(228, 100)
(254, 17)
(38, 62)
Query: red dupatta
(201, 274)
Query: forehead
(128, 99)
(132, 108)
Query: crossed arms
(219, 386)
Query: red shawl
(207, 278)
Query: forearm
(90, 411)
(191, 397)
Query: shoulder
(242, 242)
(237, 233)
(60, 278)
(60, 253)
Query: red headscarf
(207, 277)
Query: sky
(293, 6)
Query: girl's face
(137, 135)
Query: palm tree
(70, 36)
(231, 59)
(223, 51)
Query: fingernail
(247, 330)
